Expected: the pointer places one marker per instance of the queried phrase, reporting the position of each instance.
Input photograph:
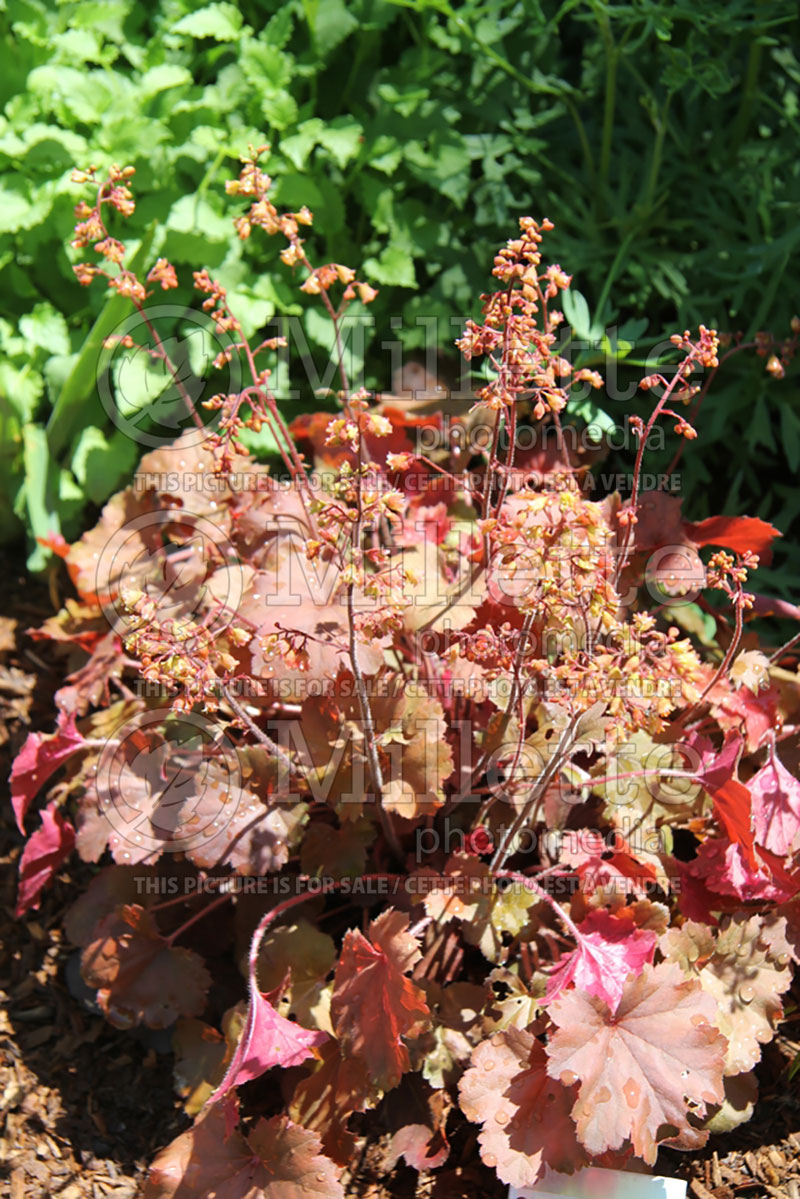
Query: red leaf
(268, 1040)
(279, 1160)
(373, 1004)
(419, 1148)
(641, 1067)
(325, 1099)
(733, 807)
(140, 976)
(312, 428)
(754, 716)
(738, 533)
(113, 886)
(770, 605)
(588, 853)
(722, 867)
(46, 849)
(416, 1117)
(658, 521)
(610, 948)
(717, 767)
(776, 805)
(731, 798)
(39, 759)
(525, 1114)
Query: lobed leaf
(524, 1112)
(278, 1160)
(140, 976)
(373, 1004)
(641, 1067)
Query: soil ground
(84, 1107)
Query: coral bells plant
(416, 746)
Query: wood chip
(752, 1164)
(769, 1172)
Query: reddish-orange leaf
(374, 1005)
(140, 976)
(732, 800)
(738, 533)
(278, 1160)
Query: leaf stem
(556, 761)
(215, 903)
(241, 714)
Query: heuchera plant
(448, 694)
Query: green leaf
(633, 330)
(292, 190)
(694, 620)
(56, 371)
(278, 29)
(222, 22)
(299, 145)
(265, 66)
(40, 490)
(22, 388)
(342, 137)
(46, 328)
(760, 429)
(21, 207)
(162, 78)
(280, 110)
(330, 22)
(262, 444)
(576, 310)
(386, 154)
(78, 45)
(393, 266)
(194, 214)
(90, 440)
(594, 416)
(196, 232)
(403, 102)
(615, 347)
(138, 381)
(100, 465)
(79, 95)
(790, 429)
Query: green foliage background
(661, 137)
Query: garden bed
(85, 1107)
